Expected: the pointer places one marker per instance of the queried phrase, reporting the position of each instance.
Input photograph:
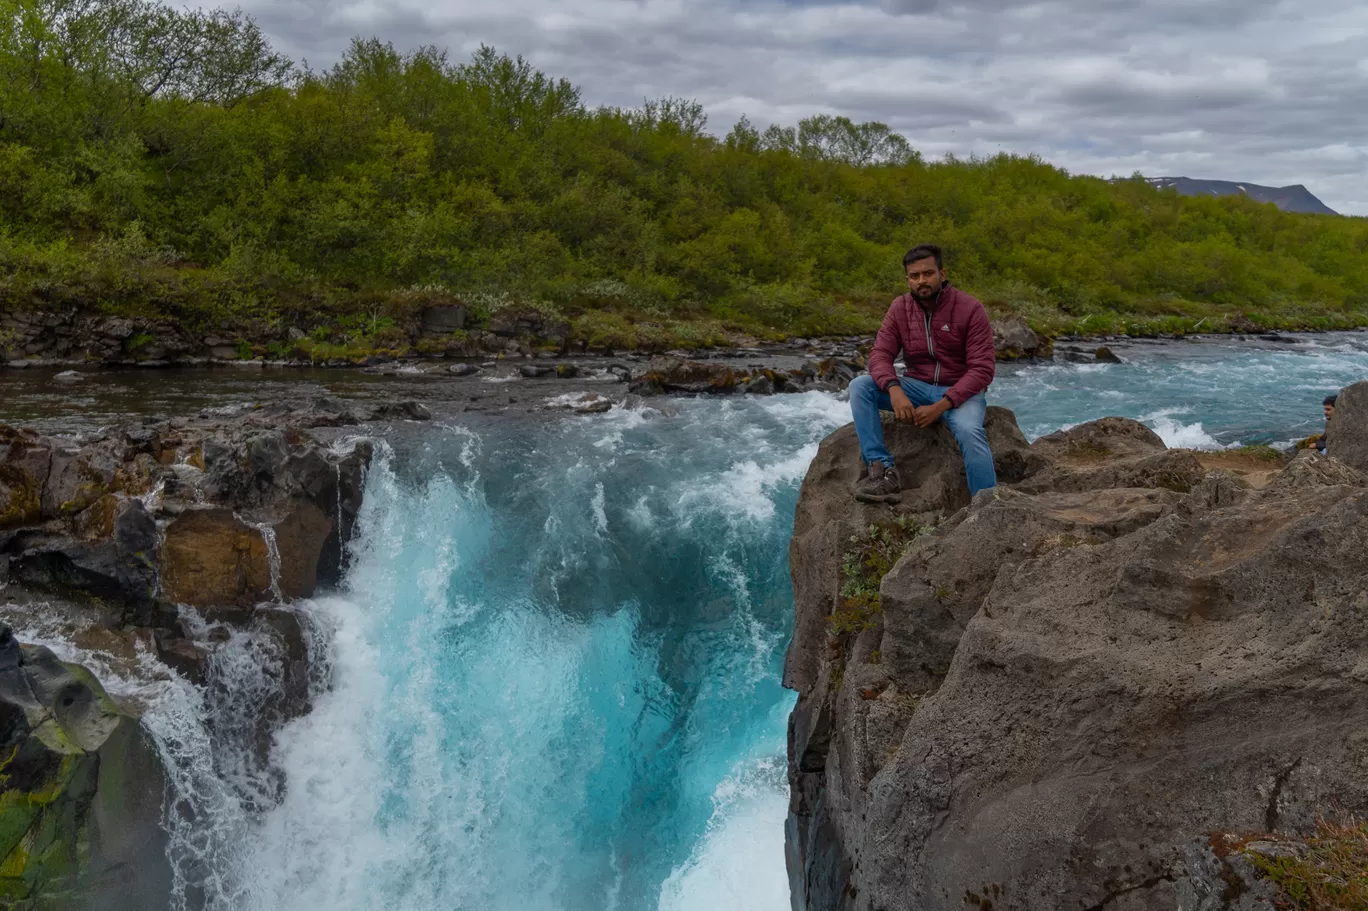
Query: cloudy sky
(1254, 90)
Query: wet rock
(293, 698)
(300, 537)
(1105, 355)
(68, 376)
(78, 477)
(761, 385)
(97, 520)
(211, 557)
(463, 370)
(120, 568)
(25, 461)
(588, 403)
(82, 795)
(536, 371)
(184, 656)
(406, 411)
(78, 569)
(1347, 433)
(666, 374)
(1014, 339)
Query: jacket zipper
(931, 348)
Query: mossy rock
(81, 791)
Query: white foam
(746, 490)
(739, 863)
(1177, 435)
(597, 505)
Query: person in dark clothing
(946, 342)
(1318, 441)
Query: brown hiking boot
(881, 485)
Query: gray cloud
(1265, 91)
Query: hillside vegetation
(170, 163)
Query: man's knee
(864, 387)
(969, 433)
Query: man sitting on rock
(947, 347)
(1318, 440)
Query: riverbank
(435, 327)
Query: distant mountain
(1290, 199)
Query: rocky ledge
(1124, 679)
(142, 538)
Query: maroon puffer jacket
(952, 346)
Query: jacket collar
(941, 299)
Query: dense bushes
(170, 162)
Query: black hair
(924, 251)
(1330, 400)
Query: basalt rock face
(231, 514)
(1079, 682)
(81, 810)
(215, 511)
(1347, 433)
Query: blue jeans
(966, 423)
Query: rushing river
(554, 665)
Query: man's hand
(927, 415)
(903, 409)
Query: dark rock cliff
(232, 514)
(1071, 691)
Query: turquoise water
(555, 664)
(1200, 394)
(556, 673)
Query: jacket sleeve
(887, 347)
(980, 359)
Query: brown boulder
(1111, 452)
(211, 557)
(299, 539)
(673, 374)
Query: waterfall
(550, 681)
(268, 535)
